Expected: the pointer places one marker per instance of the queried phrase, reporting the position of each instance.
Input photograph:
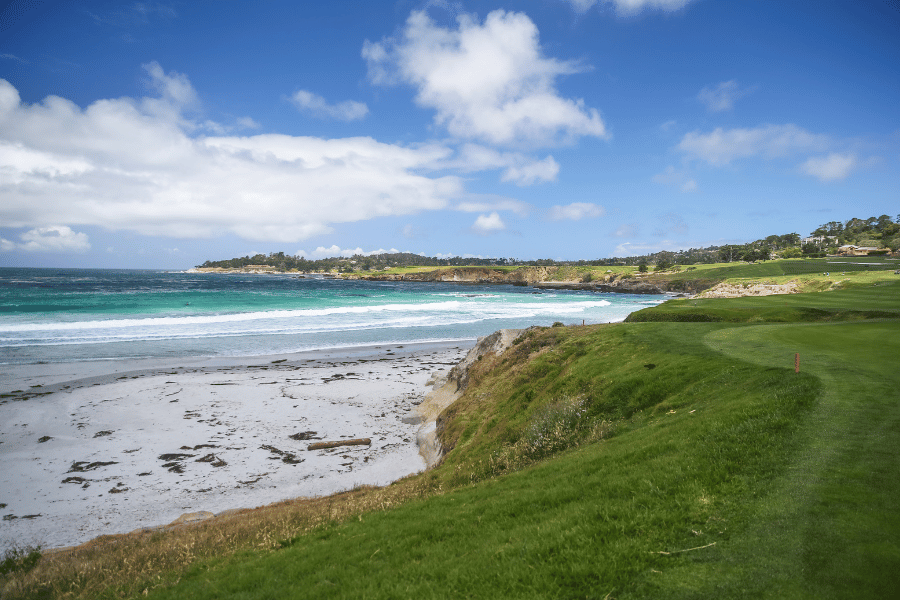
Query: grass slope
(727, 475)
(589, 522)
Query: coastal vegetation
(678, 455)
(881, 232)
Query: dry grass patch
(122, 566)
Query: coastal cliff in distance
(547, 277)
(552, 278)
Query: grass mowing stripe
(830, 529)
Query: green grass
(592, 521)
(855, 302)
(727, 475)
(689, 460)
(829, 528)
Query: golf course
(704, 448)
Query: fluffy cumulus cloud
(576, 211)
(532, 172)
(721, 146)
(832, 167)
(488, 81)
(630, 7)
(139, 165)
(486, 224)
(518, 168)
(55, 238)
(349, 110)
(721, 97)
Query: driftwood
(356, 442)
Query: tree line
(879, 232)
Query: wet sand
(97, 448)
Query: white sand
(225, 424)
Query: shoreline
(108, 447)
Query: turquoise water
(61, 315)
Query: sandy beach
(107, 447)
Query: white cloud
(487, 81)
(132, 164)
(576, 211)
(527, 174)
(55, 238)
(675, 178)
(519, 168)
(630, 7)
(830, 168)
(486, 224)
(175, 88)
(335, 250)
(721, 146)
(486, 203)
(722, 97)
(349, 110)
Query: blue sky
(162, 134)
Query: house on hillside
(851, 250)
(817, 239)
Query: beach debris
(285, 457)
(80, 466)
(102, 433)
(43, 439)
(251, 481)
(175, 456)
(214, 460)
(335, 444)
(304, 435)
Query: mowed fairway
(830, 528)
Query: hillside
(660, 457)
(881, 232)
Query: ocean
(65, 315)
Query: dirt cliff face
(548, 278)
(526, 275)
